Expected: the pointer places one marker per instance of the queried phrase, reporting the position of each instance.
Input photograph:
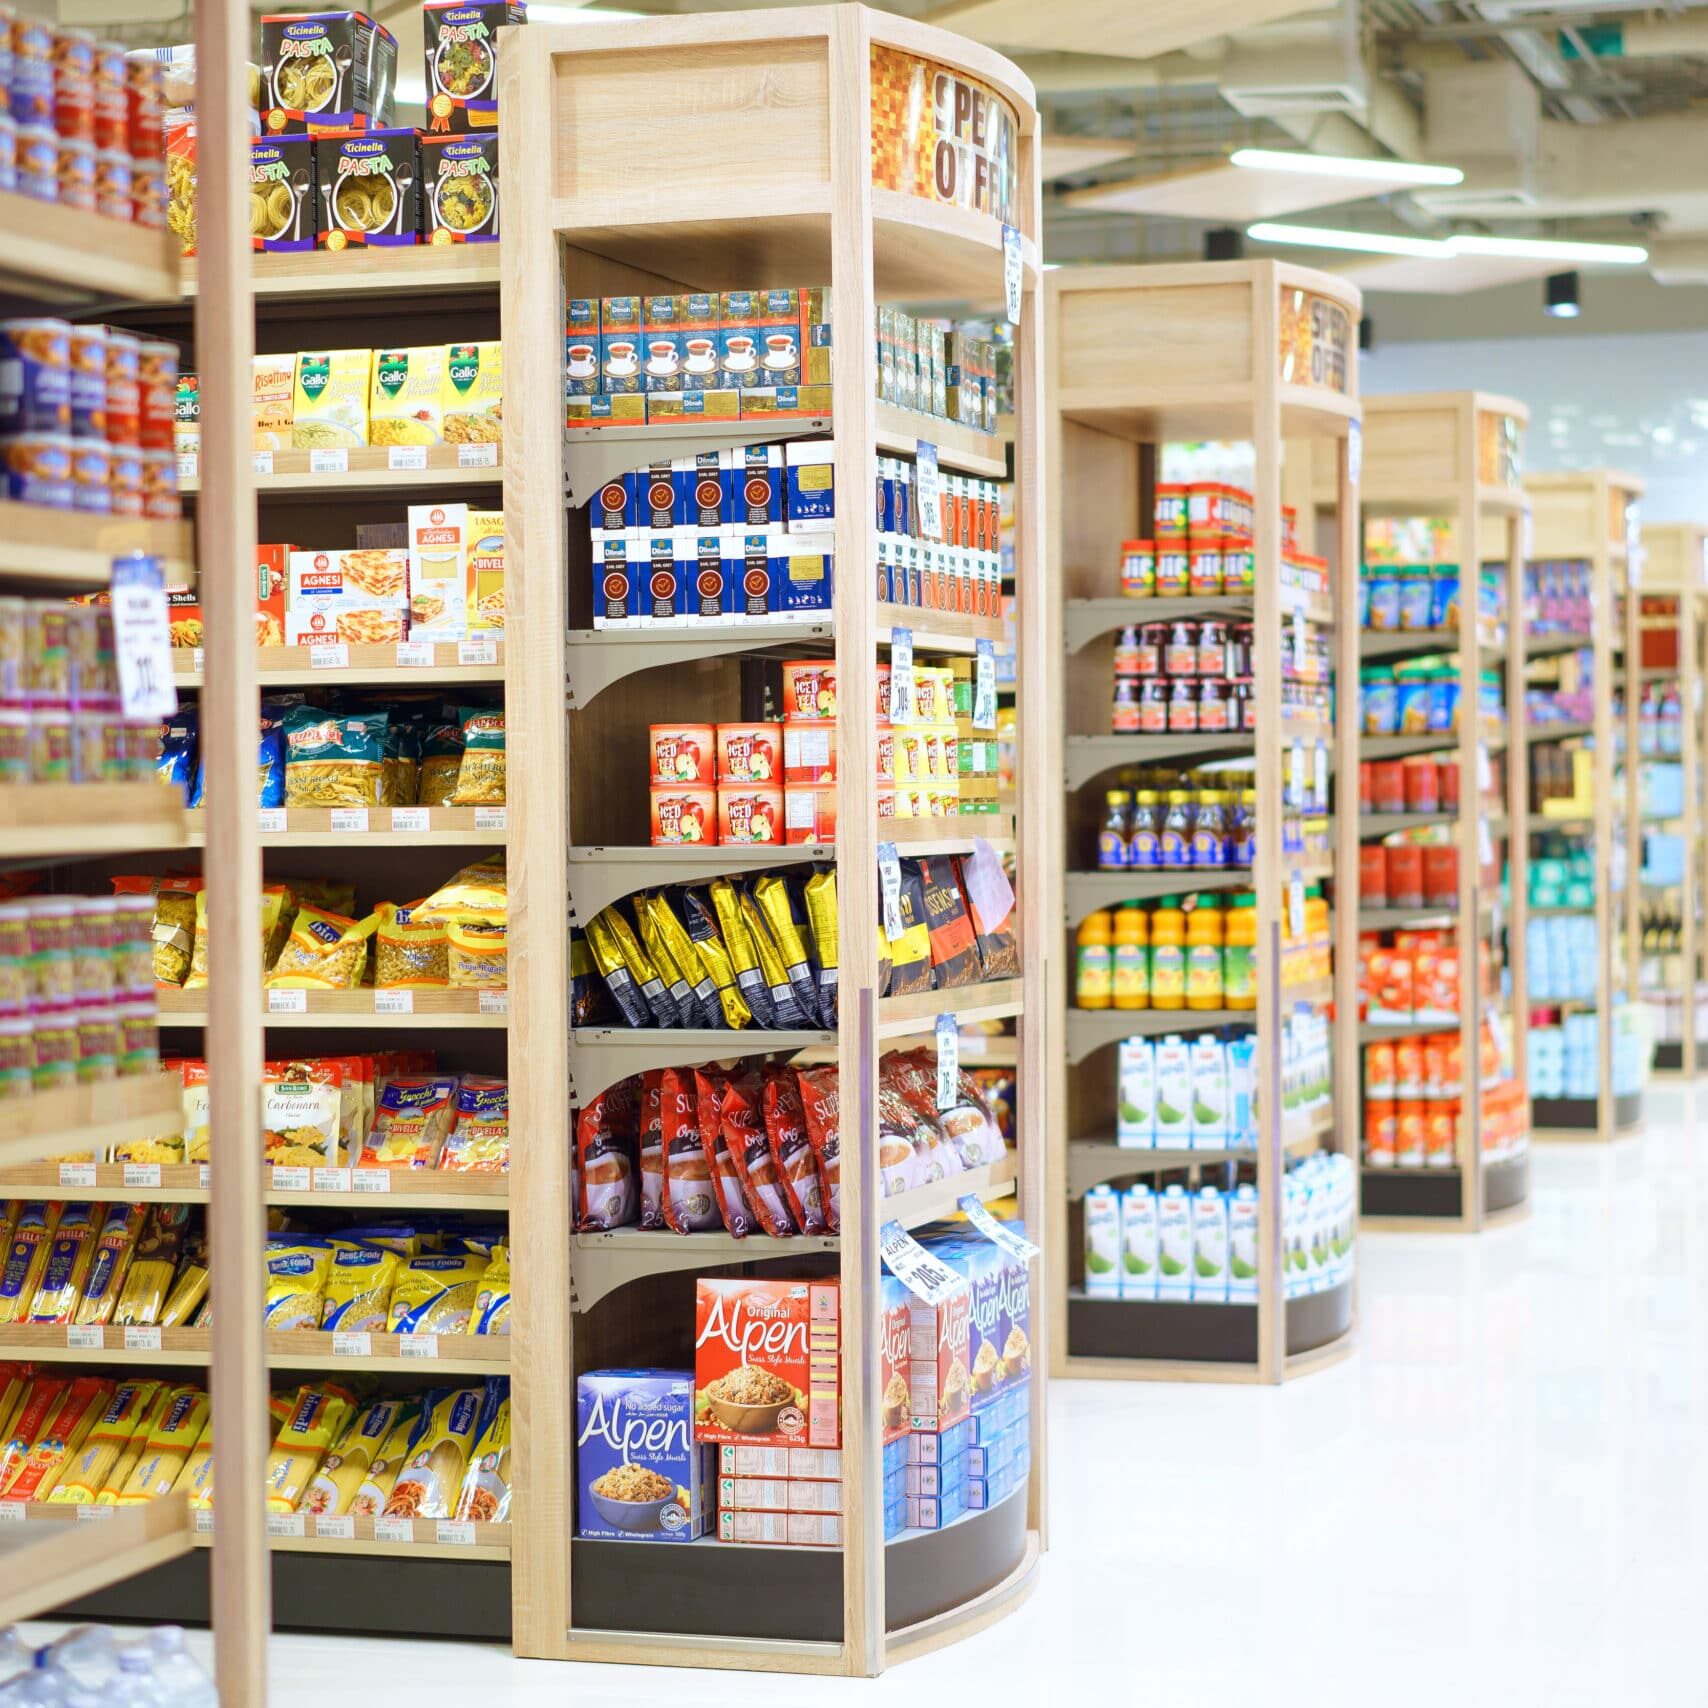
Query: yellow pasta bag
(431, 1478)
(114, 1247)
(332, 1490)
(485, 1494)
(196, 1478)
(477, 955)
(325, 951)
(189, 1286)
(316, 1418)
(435, 1294)
(59, 1439)
(176, 1430)
(14, 1384)
(296, 1282)
(131, 1455)
(153, 1266)
(409, 953)
(83, 1479)
(480, 778)
(358, 1288)
(70, 1254)
(492, 1302)
(375, 1486)
(25, 1260)
(476, 892)
(328, 894)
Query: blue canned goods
(37, 151)
(1384, 604)
(1412, 707)
(1378, 703)
(1443, 705)
(1414, 599)
(1444, 598)
(35, 376)
(35, 468)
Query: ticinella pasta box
(641, 1476)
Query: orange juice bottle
(1321, 958)
(1094, 973)
(1131, 947)
(1168, 954)
(1239, 954)
(1204, 954)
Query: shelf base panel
(1189, 1334)
(1575, 1117)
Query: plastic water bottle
(178, 1675)
(136, 1686)
(86, 1657)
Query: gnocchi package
(413, 1118)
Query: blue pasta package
(640, 1475)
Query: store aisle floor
(1502, 1499)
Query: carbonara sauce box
(767, 1362)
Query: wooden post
(1470, 932)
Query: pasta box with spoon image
(459, 191)
(460, 42)
(281, 194)
(323, 72)
(370, 193)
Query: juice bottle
(1177, 830)
(1317, 933)
(1144, 847)
(1245, 831)
(1204, 955)
(1094, 973)
(1239, 954)
(1168, 954)
(1112, 839)
(1132, 957)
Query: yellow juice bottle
(1168, 954)
(1132, 957)
(1094, 972)
(1204, 954)
(1239, 954)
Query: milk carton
(1209, 1094)
(1138, 1243)
(1173, 1094)
(1174, 1244)
(1210, 1246)
(1102, 1242)
(1295, 1236)
(1242, 1244)
(1242, 1093)
(1135, 1100)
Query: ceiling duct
(1312, 64)
(1487, 119)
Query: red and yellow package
(606, 1137)
(767, 1362)
(742, 1123)
(686, 1200)
(729, 1189)
(821, 1103)
(59, 1438)
(791, 1149)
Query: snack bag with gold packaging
(819, 897)
(776, 906)
(743, 955)
(705, 1008)
(477, 954)
(480, 779)
(702, 927)
(784, 1000)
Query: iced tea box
(641, 1476)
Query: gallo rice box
(767, 1362)
(640, 1474)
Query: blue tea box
(699, 489)
(755, 564)
(640, 1477)
(663, 589)
(982, 1493)
(926, 1448)
(753, 487)
(941, 1479)
(994, 1457)
(701, 562)
(616, 598)
(808, 582)
(809, 492)
(655, 496)
(581, 346)
(934, 1512)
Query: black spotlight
(1224, 243)
(1366, 334)
(1561, 296)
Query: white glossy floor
(1501, 1499)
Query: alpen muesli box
(641, 1476)
(767, 1362)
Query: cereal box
(939, 1384)
(370, 191)
(805, 1464)
(329, 402)
(460, 45)
(1000, 1314)
(641, 1475)
(895, 1356)
(781, 1529)
(325, 71)
(767, 1362)
(459, 189)
(406, 403)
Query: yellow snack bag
(333, 1487)
(409, 953)
(492, 1302)
(325, 951)
(114, 1247)
(485, 1494)
(315, 1419)
(478, 891)
(176, 1430)
(480, 778)
(86, 1475)
(329, 399)
(70, 1254)
(374, 1488)
(296, 1282)
(431, 1478)
(436, 1293)
(358, 1288)
(477, 954)
(25, 1260)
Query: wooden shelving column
(1139, 357)
(1434, 455)
(768, 119)
(1675, 567)
(1591, 517)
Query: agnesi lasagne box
(767, 1362)
(640, 1474)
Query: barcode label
(205, 1179)
(11, 1512)
(492, 818)
(457, 1532)
(287, 1002)
(329, 462)
(410, 819)
(142, 1340)
(291, 1179)
(263, 462)
(187, 466)
(77, 1174)
(394, 1002)
(335, 655)
(95, 1514)
(482, 649)
(415, 655)
(495, 1002)
(286, 1524)
(477, 456)
(89, 1338)
(406, 457)
(394, 1529)
(351, 1344)
(336, 1529)
(196, 657)
(271, 821)
(418, 1346)
(370, 1180)
(331, 1180)
(204, 1521)
(144, 1174)
(350, 821)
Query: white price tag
(142, 1339)
(1296, 771)
(336, 1529)
(292, 1179)
(370, 1180)
(477, 456)
(1355, 452)
(197, 657)
(889, 887)
(95, 1514)
(495, 1002)
(1485, 844)
(901, 676)
(984, 687)
(144, 1174)
(1013, 283)
(925, 1276)
(410, 819)
(142, 638)
(394, 1529)
(12, 1512)
(286, 1524)
(459, 1533)
(329, 462)
(948, 1062)
(1015, 1244)
(394, 1002)
(418, 1346)
(204, 1520)
(77, 1174)
(479, 649)
(1296, 906)
(927, 491)
(334, 655)
(1485, 770)
(492, 818)
(262, 462)
(204, 1177)
(415, 655)
(330, 1179)
(406, 457)
(349, 1343)
(270, 821)
(87, 1338)
(350, 821)
(287, 1002)
(187, 466)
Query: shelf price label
(889, 887)
(901, 676)
(927, 490)
(394, 1529)
(337, 1529)
(984, 687)
(418, 1346)
(1016, 1245)
(1296, 905)
(262, 463)
(458, 1533)
(142, 1339)
(410, 819)
(948, 1062)
(142, 637)
(85, 1338)
(925, 1276)
(1012, 282)
(95, 1514)
(287, 1002)
(12, 1512)
(286, 1179)
(286, 1525)
(270, 821)
(351, 821)
(370, 1180)
(143, 1174)
(477, 456)
(394, 1002)
(1485, 769)
(352, 1343)
(481, 649)
(414, 655)
(495, 1002)
(329, 462)
(335, 655)
(204, 1177)
(77, 1174)
(406, 457)
(330, 1179)
(204, 1520)
(492, 818)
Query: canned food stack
(1413, 1102)
(720, 783)
(919, 754)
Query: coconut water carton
(1174, 1244)
(1242, 1093)
(1242, 1244)
(1135, 1098)
(1209, 1094)
(1102, 1242)
(1210, 1246)
(1138, 1243)
(1173, 1093)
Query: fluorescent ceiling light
(1552, 249)
(1364, 242)
(549, 14)
(1343, 166)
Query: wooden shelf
(916, 836)
(369, 469)
(291, 1349)
(312, 827)
(599, 876)
(84, 820)
(51, 1564)
(1545, 646)
(1397, 643)
(67, 548)
(189, 1183)
(910, 1016)
(63, 254)
(597, 658)
(84, 1117)
(899, 432)
(1089, 756)
(1087, 620)
(368, 667)
(940, 631)
(1391, 823)
(429, 1009)
(1376, 1031)
(357, 276)
(426, 1538)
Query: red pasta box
(749, 814)
(767, 1362)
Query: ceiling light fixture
(1560, 296)
(1445, 248)
(1364, 242)
(1343, 166)
(1553, 249)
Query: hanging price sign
(984, 687)
(889, 887)
(998, 1233)
(142, 638)
(901, 676)
(928, 491)
(925, 1276)
(1011, 273)
(948, 1062)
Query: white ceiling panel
(1232, 195)
(1120, 28)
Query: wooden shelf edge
(83, 1117)
(67, 1563)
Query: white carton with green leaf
(1210, 1246)
(1174, 1244)
(1135, 1095)
(1209, 1094)
(1173, 1093)
(1242, 1244)
(1139, 1254)
(1102, 1242)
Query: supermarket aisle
(1497, 1501)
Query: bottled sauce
(1175, 849)
(1183, 706)
(1132, 957)
(1168, 954)
(1128, 661)
(1209, 831)
(1239, 954)
(1204, 955)
(1124, 713)
(1243, 830)
(1144, 846)
(1094, 966)
(1212, 648)
(1112, 838)
(1180, 656)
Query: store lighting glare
(1363, 242)
(1343, 166)
(549, 14)
(1446, 248)
(1553, 249)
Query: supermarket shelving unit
(80, 263)
(1674, 574)
(1141, 356)
(1590, 516)
(768, 117)
(1442, 454)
